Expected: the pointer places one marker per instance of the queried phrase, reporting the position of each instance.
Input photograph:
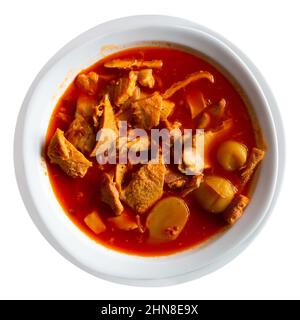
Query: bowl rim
(20, 166)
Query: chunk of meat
(108, 121)
(145, 78)
(167, 107)
(125, 112)
(132, 146)
(189, 79)
(146, 111)
(64, 154)
(88, 82)
(172, 125)
(123, 222)
(137, 143)
(137, 94)
(218, 110)
(81, 134)
(255, 157)
(192, 184)
(235, 209)
(175, 179)
(183, 183)
(145, 187)
(204, 121)
(85, 106)
(97, 114)
(125, 88)
(94, 222)
(120, 171)
(110, 195)
(131, 63)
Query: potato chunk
(123, 222)
(94, 222)
(215, 194)
(167, 219)
(232, 155)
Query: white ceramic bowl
(34, 184)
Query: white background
(267, 31)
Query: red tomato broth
(79, 196)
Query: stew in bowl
(139, 195)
